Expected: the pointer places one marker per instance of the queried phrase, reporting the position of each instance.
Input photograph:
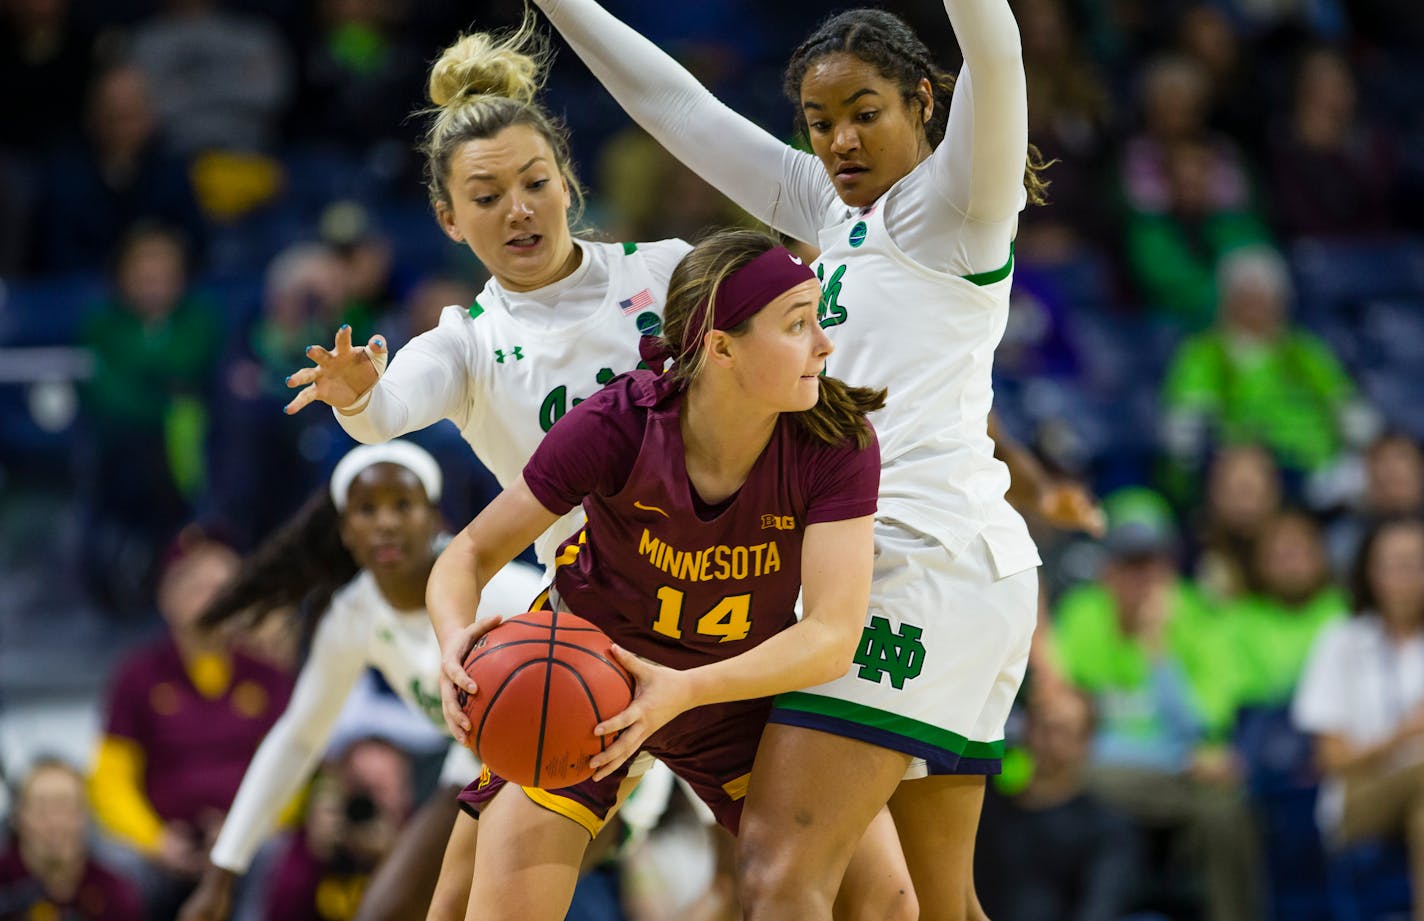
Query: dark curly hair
(885, 42)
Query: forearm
(290, 751)
(988, 37)
(452, 594)
(277, 772)
(422, 386)
(1027, 476)
(811, 652)
(766, 177)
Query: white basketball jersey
(521, 379)
(927, 337)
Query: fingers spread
(303, 377)
(301, 400)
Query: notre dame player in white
(912, 195)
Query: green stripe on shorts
(889, 722)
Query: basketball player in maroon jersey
(715, 492)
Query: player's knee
(771, 874)
(889, 904)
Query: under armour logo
(885, 652)
(517, 352)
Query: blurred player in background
(354, 561)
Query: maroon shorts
(712, 748)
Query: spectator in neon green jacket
(1159, 666)
(1256, 378)
(1144, 636)
(1293, 599)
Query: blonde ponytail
(486, 82)
(484, 64)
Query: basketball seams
(560, 644)
(544, 706)
(558, 698)
(587, 692)
(494, 696)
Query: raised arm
(282, 764)
(979, 167)
(774, 182)
(289, 752)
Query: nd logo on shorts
(883, 651)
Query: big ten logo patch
(830, 312)
(557, 402)
(779, 522)
(897, 653)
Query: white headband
(401, 453)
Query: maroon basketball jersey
(662, 573)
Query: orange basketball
(545, 679)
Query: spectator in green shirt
(1256, 378)
(1174, 253)
(1293, 598)
(1156, 662)
(155, 345)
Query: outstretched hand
(661, 695)
(456, 685)
(1070, 507)
(212, 899)
(342, 375)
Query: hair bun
(486, 64)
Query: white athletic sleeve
(771, 180)
(958, 212)
(287, 755)
(978, 169)
(427, 381)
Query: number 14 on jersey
(729, 620)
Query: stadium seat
(47, 311)
(1336, 276)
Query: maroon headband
(740, 297)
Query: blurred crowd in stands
(1218, 324)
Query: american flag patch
(640, 301)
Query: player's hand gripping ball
(545, 680)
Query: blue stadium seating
(1335, 277)
(47, 311)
